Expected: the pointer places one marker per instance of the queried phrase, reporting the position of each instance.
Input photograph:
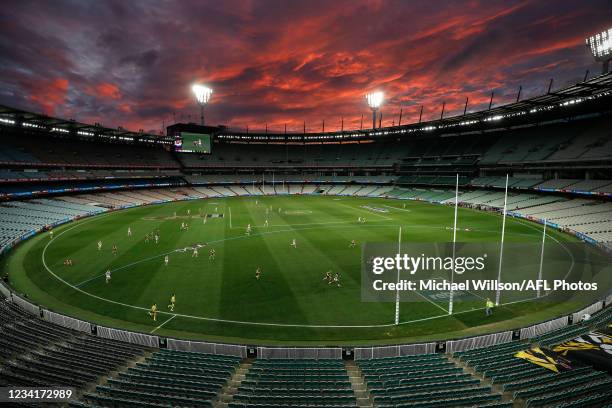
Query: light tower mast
(202, 94)
(374, 101)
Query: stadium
(461, 260)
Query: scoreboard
(188, 142)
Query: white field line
(218, 241)
(431, 301)
(397, 208)
(367, 211)
(308, 224)
(161, 325)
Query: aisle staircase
(226, 395)
(364, 399)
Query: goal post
(501, 249)
(451, 294)
(541, 256)
(397, 292)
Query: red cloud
(295, 62)
(49, 95)
(108, 90)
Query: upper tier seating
(30, 175)
(76, 153)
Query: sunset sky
(131, 63)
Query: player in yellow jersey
(172, 302)
(153, 312)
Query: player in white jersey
(294, 243)
(266, 223)
(248, 229)
(166, 260)
(156, 239)
(129, 231)
(195, 252)
(51, 234)
(353, 244)
(337, 279)
(99, 245)
(108, 276)
(211, 254)
(257, 273)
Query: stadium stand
(38, 353)
(557, 171)
(167, 378)
(295, 383)
(534, 385)
(425, 380)
(57, 152)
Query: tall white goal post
(397, 292)
(542, 256)
(451, 293)
(501, 249)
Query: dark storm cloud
(131, 63)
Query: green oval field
(219, 299)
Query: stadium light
(374, 101)
(601, 48)
(202, 94)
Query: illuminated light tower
(601, 48)
(202, 94)
(374, 101)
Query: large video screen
(193, 143)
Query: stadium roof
(594, 88)
(549, 103)
(36, 121)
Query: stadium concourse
(556, 150)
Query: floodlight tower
(202, 94)
(601, 48)
(374, 101)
